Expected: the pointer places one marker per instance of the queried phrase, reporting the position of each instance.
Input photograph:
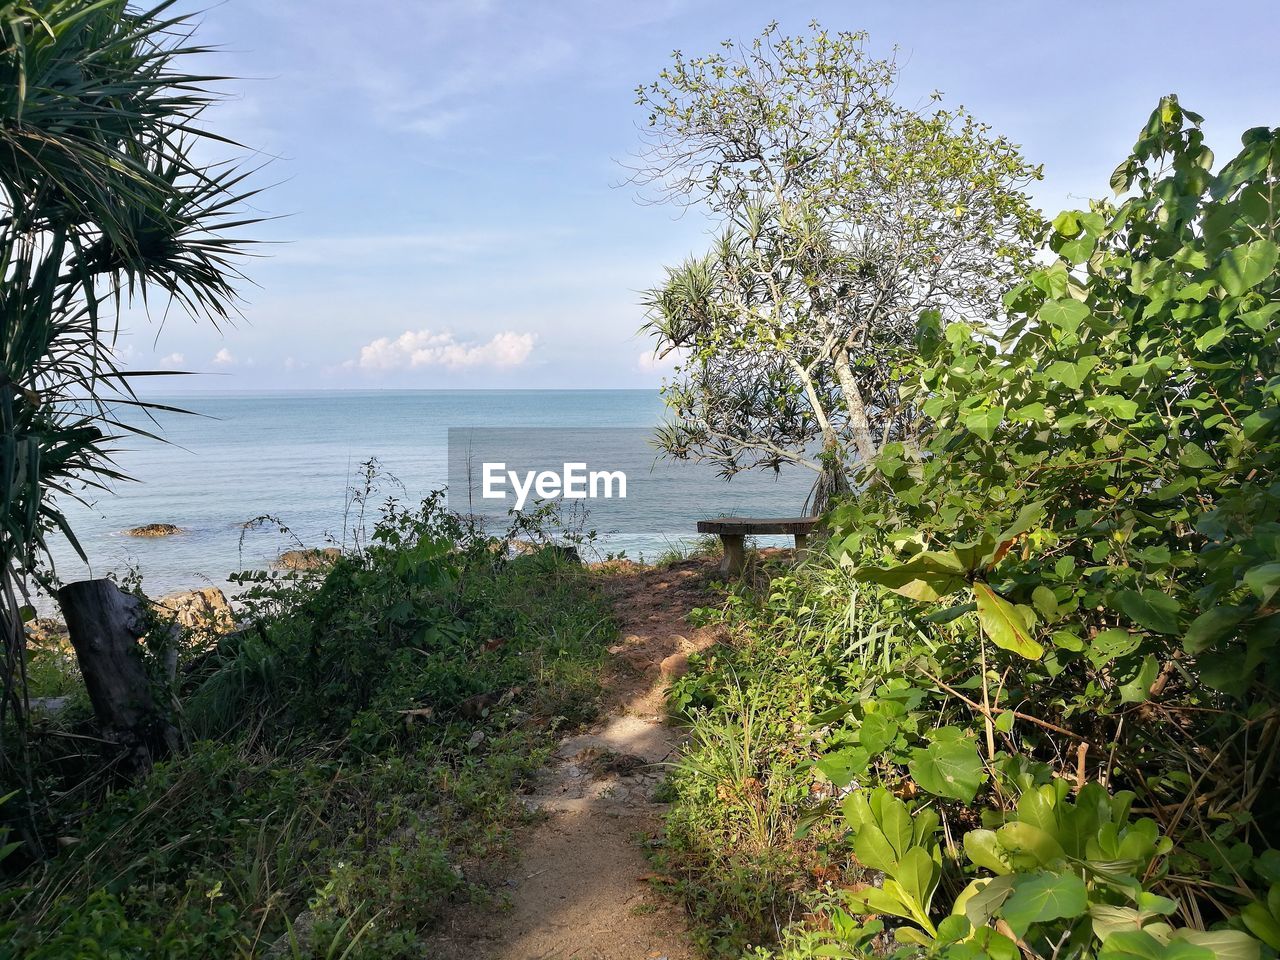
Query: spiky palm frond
(103, 202)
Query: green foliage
(1068, 576)
(844, 214)
(889, 838)
(107, 196)
(359, 750)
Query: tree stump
(105, 624)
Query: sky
(448, 185)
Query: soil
(580, 889)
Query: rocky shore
(154, 530)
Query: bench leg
(802, 546)
(734, 557)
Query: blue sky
(447, 174)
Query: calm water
(294, 455)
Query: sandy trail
(578, 890)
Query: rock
(154, 530)
(47, 632)
(308, 558)
(204, 611)
(560, 551)
(674, 666)
(49, 706)
(298, 941)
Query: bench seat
(732, 531)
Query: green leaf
(1261, 923)
(1042, 896)
(1067, 223)
(1211, 337)
(1067, 640)
(1122, 408)
(1110, 644)
(1221, 944)
(877, 731)
(927, 576)
(1195, 458)
(1137, 688)
(1150, 609)
(1140, 945)
(1079, 249)
(917, 875)
(1028, 846)
(949, 769)
(1108, 919)
(984, 423)
(1264, 580)
(1211, 626)
(985, 851)
(842, 766)
(1244, 267)
(1031, 413)
(1003, 624)
(877, 900)
(1065, 314)
(1044, 600)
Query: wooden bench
(733, 530)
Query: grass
(734, 847)
(355, 763)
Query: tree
(845, 216)
(102, 202)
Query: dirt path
(578, 890)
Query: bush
(359, 752)
(1063, 610)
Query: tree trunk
(105, 624)
(859, 424)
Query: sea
(296, 457)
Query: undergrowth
(1026, 706)
(354, 761)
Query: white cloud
(422, 348)
(173, 360)
(223, 358)
(650, 362)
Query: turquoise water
(294, 455)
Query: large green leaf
(1138, 687)
(1042, 896)
(1064, 314)
(876, 732)
(985, 851)
(1110, 644)
(1140, 945)
(1264, 580)
(842, 766)
(1003, 624)
(1027, 845)
(984, 423)
(918, 875)
(1221, 944)
(1244, 267)
(949, 768)
(927, 576)
(1150, 609)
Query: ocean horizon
(294, 455)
